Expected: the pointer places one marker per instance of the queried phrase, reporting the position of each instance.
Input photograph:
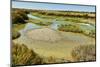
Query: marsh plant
(22, 55)
(15, 34)
(76, 29)
(19, 16)
(84, 53)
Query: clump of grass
(15, 34)
(76, 29)
(18, 27)
(15, 30)
(40, 22)
(70, 28)
(22, 55)
(50, 59)
(76, 20)
(84, 53)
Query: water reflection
(33, 17)
(55, 24)
(29, 26)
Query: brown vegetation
(84, 53)
(21, 55)
(19, 16)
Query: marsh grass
(76, 29)
(22, 55)
(40, 22)
(15, 30)
(84, 53)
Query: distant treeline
(62, 13)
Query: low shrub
(19, 16)
(22, 55)
(40, 22)
(84, 53)
(15, 34)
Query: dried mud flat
(44, 34)
(47, 42)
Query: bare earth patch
(44, 34)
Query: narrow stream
(33, 17)
(55, 24)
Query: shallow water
(86, 26)
(55, 24)
(29, 26)
(33, 17)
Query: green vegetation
(76, 20)
(92, 33)
(70, 28)
(65, 13)
(15, 30)
(76, 29)
(40, 22)
(18, 27)
(21, 55)
(84, 53)
(15, 34)
(78, 17)
(19, 17)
